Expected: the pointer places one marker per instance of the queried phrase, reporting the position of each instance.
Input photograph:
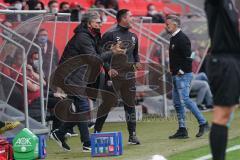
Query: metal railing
(137, 27)
(3, 6)
(42, 14)
(24, 76)
(198, 10)
(40, 71)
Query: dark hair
(32, 52)
(51, 2)
(121, 13)
(41, 30)
(62, 4)
(42, 5)
(11, 1)
(32, 4)
(149, 5)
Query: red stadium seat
(126, 4)
(111, 19)
(173, 8)
(84, 3)
(159, 5)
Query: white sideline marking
(233, 148)
(158, 157)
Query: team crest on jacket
(134, 40)
(230, 6)
(173, 46)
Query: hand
(180, 72)
(59, 90)
(112, 73)
(59, 95)
(116, 48)
(139, 66)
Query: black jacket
(223, 27)
(122, 63)
(179, 53)
(119, 33)
(82, 43)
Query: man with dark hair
(181, 69)
(53, 6)
(64, 7)
(223, 69)
(120, 66)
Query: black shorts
(224, 78)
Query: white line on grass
(233, 148)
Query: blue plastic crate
(42, 146)
(106, 144)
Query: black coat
(179, 53)
(83, 43)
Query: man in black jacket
(181, 69)
(86, 41)
(119, 73)
(223, 69)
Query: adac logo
(23, 142)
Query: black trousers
(127, 91)
(82, 105)
(52, 101)
(2, 124)
(34, 108)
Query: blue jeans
(181, 99)
(201, 76)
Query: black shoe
(95, 131)
(91, 125)
(87, 147)
(133, 140)
(60, 140)
(201, 107)
(203, 129)
(209, 106)
(180, 134)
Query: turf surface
(153, 133)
